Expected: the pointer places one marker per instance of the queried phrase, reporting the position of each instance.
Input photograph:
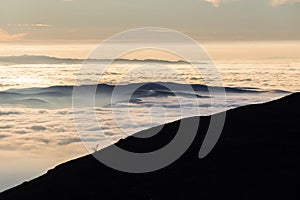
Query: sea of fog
(37, 128)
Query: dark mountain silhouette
(257, 157)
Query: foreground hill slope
(257, 157)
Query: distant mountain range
(42, 59)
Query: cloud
(274, 3)
(217, 3)
(22, 132)
(39, 25)
(38, 128)
(41, 140)
(8, 112)
(3, 136)
(281, 2)
(69, 141)
(6, 37)
(6, 126)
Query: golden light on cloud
(6, 37)
(41, 25)
(215, 3)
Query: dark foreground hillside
(257, 157)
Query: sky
(95, 20)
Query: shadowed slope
(257, 157)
